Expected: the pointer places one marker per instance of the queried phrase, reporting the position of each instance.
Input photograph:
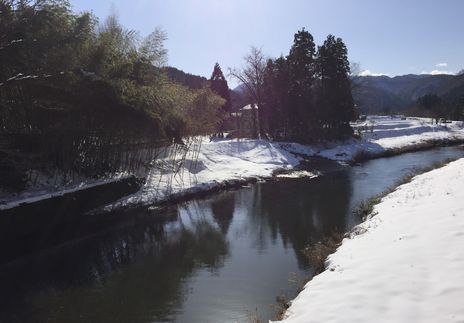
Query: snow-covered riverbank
(406, 263)
(233, 160)
(220, 162)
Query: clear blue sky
(393, 37)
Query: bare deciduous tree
(252, 76)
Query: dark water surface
(220, 259)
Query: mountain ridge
(373, 94)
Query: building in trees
(252, 76)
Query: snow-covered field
(405, 264)
(231, 160)
(222, 161)
(384, 134)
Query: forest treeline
(76, 92)
(304, 96)
(56, 61)
(93, 97)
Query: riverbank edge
(365, 155)
(365, 211)
(202, 190)
(29, 200)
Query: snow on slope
(217, 162)
(231, 159)
(408, 265)
(220, 161)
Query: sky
(393, 37)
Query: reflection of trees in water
(263, 228)
(223, 208)
(301, 211)
(136, 274)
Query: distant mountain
(187, 79)
(241, 88)
(239, 97)
(380, 93)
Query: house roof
(249, 107)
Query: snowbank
(381, 135)
(47, 193)
(233, 160)
(407, 266)
(220, 162)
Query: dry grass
(317, 253)
(366, 208)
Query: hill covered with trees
(384, 94)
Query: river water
(223, 258)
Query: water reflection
(208, 260)
(304, 212)
(136, 274)
(223, 207)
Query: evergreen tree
(220, 87)
(301, 78)
(276, 97)
(335, 98)
(432, 104)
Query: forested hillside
(187, 79)
(383, 94)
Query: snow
(226, 160)
(298, 174)
(394, 134)
(250, 107)
(404, 264)
(51, 192)
(219, 162)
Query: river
(223, 258)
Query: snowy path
(407, 267)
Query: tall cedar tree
(302, 75)
(220, 87)
(276, 82)
(336, 101)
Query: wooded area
(83, 96)
(305, 96)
